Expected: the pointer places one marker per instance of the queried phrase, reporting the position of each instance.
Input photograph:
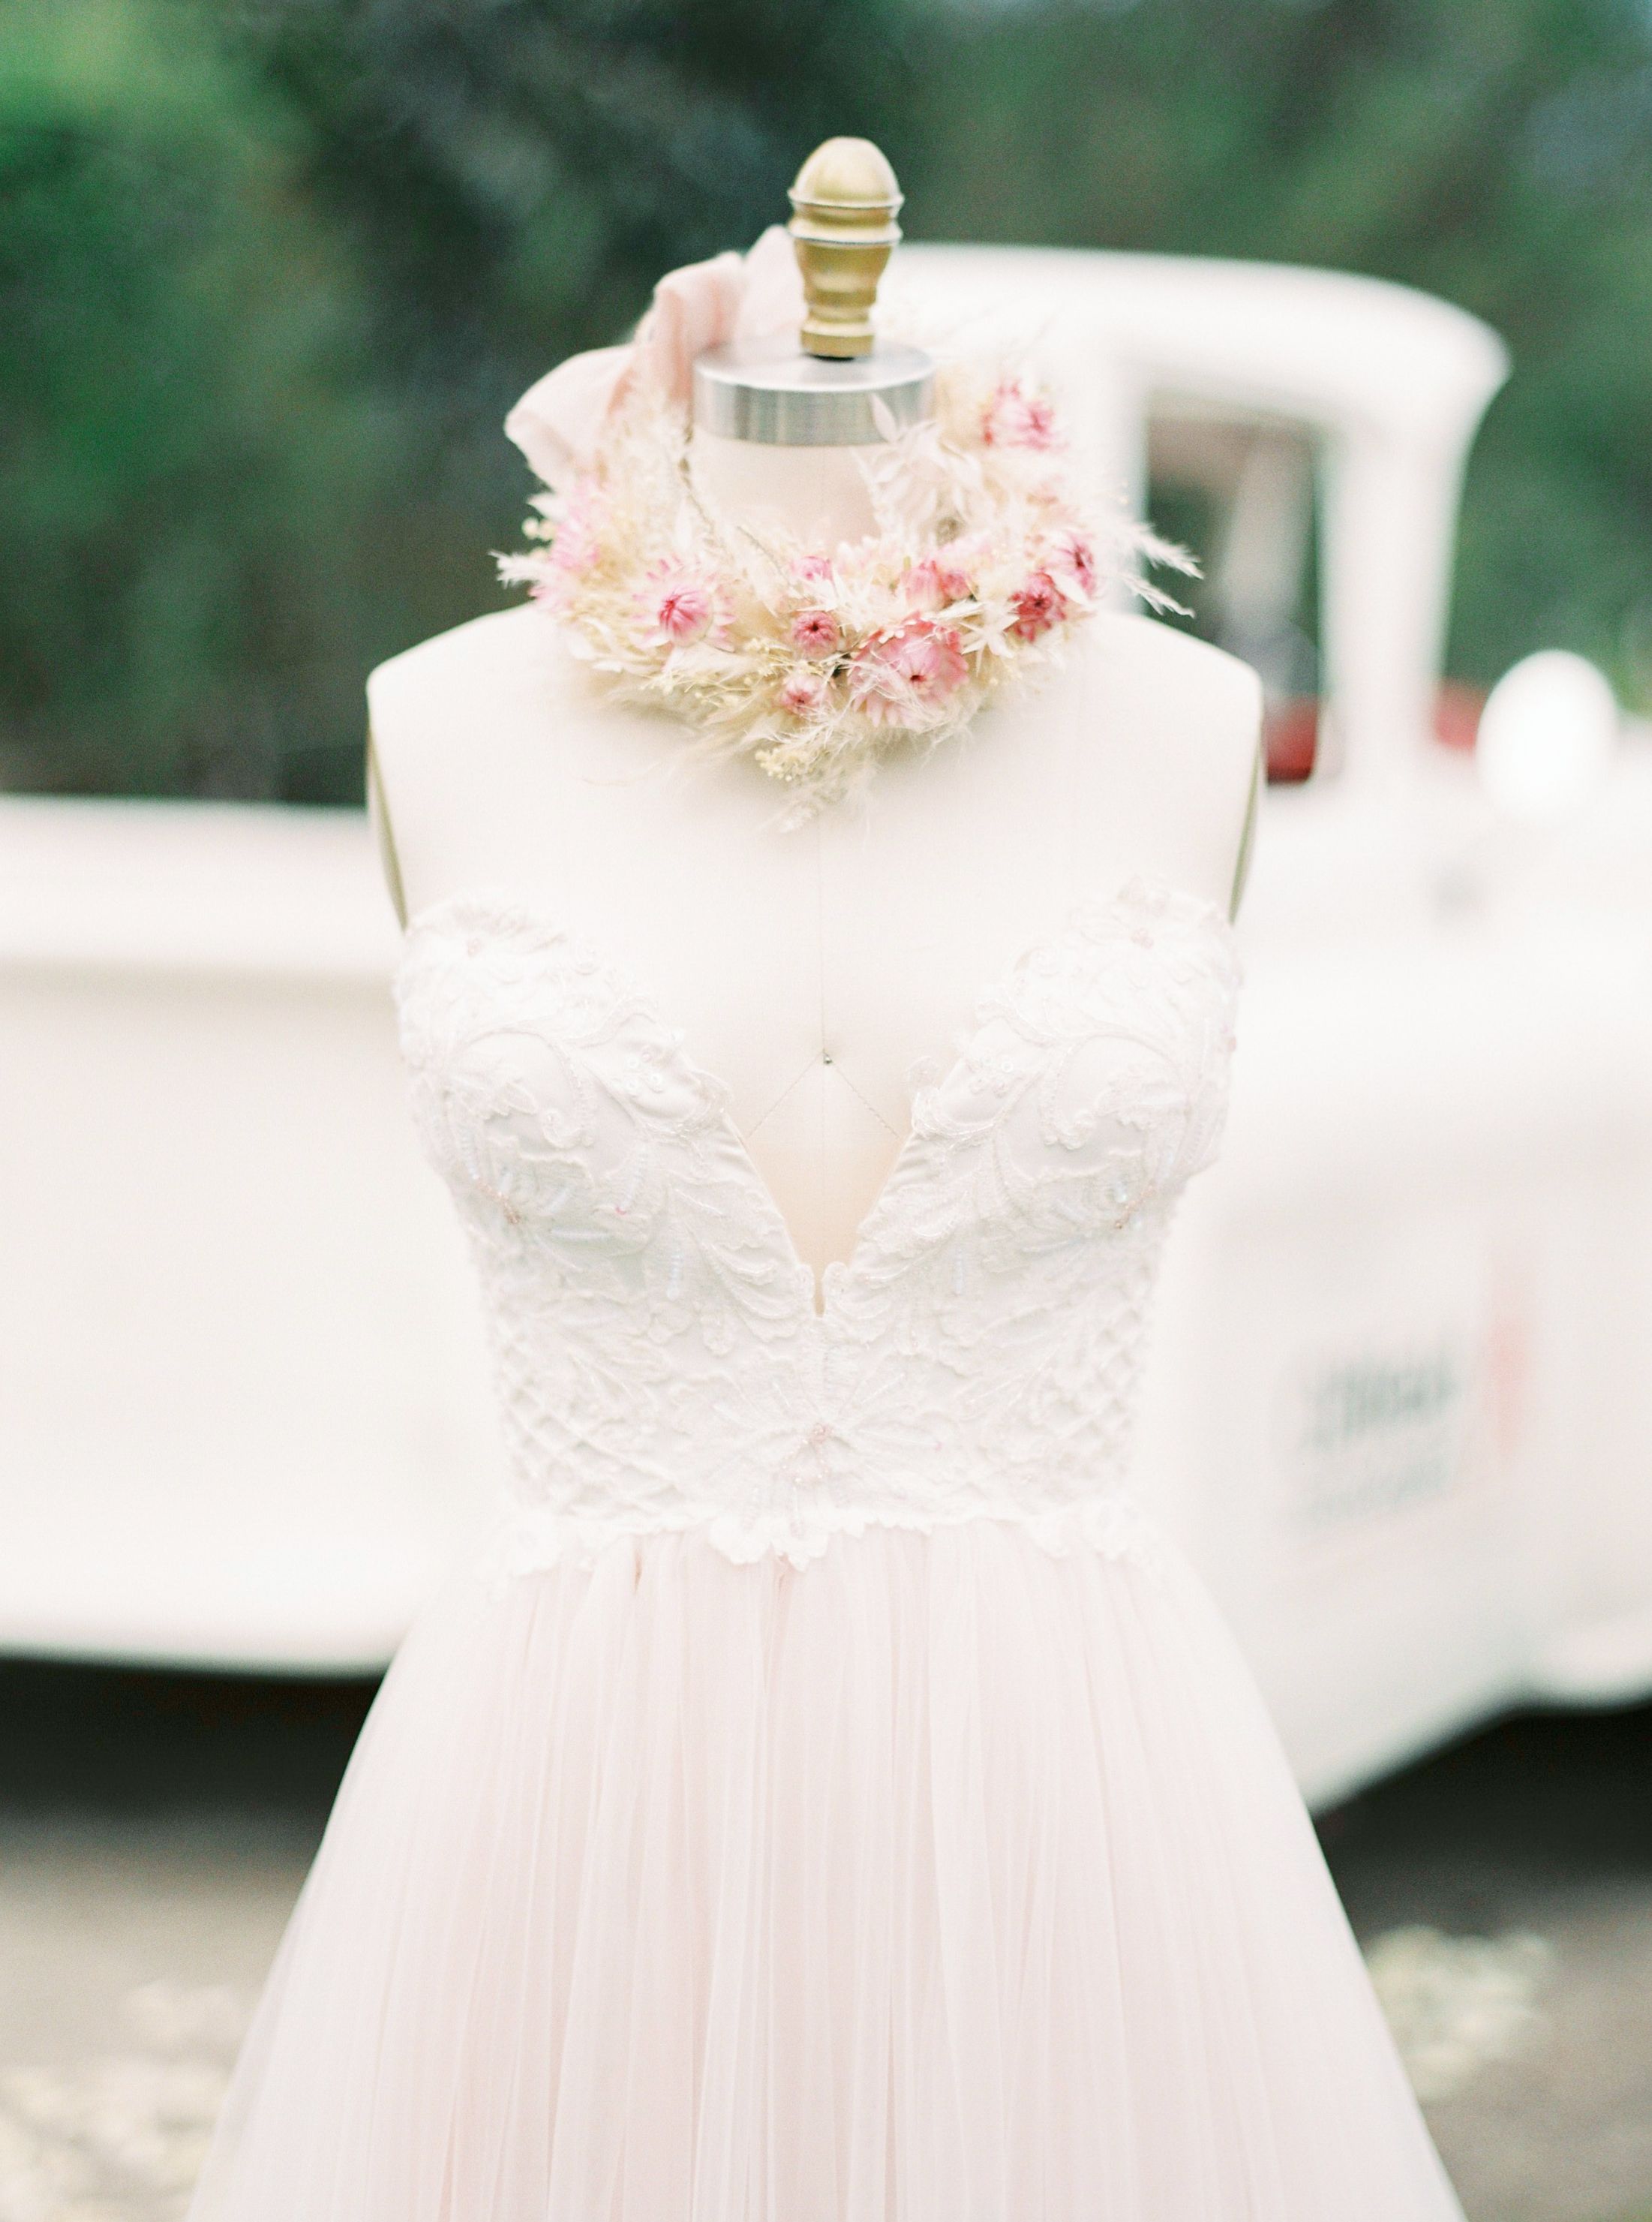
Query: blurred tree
(270, 272)
(269, 278)
(190, 469)
(1496, 152)
(516, 174)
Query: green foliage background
(271, 271)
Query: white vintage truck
(1401, 1401)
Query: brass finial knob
(843, 229)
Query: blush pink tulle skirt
(944, 1881)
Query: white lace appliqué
(661, 1363)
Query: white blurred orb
(1546, 735)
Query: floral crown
(811, 661)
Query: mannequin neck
(817, 495)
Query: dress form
(811, 968)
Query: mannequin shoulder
(445, 720)
(1173, 683)
(492, 707)
(483, 742)
(501, 640)
(1185, 719)
(449, 682)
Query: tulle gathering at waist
(528, 1537)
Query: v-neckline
(819, 1290)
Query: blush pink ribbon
(559, 421)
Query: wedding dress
(829, 1798)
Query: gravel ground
(1539, 1829)
(154, 1830)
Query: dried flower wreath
(814, 662)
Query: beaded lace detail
(661, 1363)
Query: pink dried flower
(898, 678)
(802, 691)
(1038, 603)
(576, 546)
(676, 603)
(812, 566)
(1072, 557)
(684, 612)
(1014, 419)
(817, 633)
(935, 581)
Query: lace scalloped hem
(530, 1539)
(951, 1879)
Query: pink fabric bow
(559, 421)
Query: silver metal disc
(770, 391)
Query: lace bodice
(662, 1360)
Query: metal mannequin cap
(820, 391)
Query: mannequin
(827, 1790)
(811, 968)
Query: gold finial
(843, 230)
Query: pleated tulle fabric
(945, 1880)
